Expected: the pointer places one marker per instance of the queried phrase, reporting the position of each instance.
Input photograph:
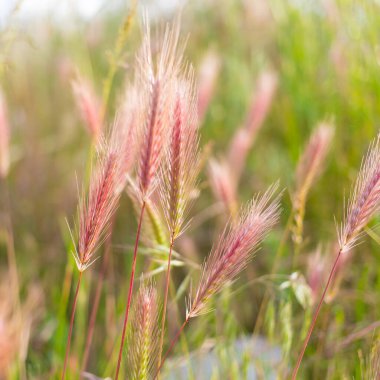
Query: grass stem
(98, 292)
(172, 344)
(71, 326)
(167, 281)
(315, 317)
(131, 282)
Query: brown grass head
(234, 248)
(364, 201)
(4, 138)
(156, 75)
(89, 106)
(181, 162)
(143, 336)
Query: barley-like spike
(156, 81)
(365, 198)
(233, 250)
(181, 164)
(96, 210)
(143, 334)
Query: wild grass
(188, 123)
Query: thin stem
(276, 262)
(98, 292)
(167, 281)
(316, 313)
(131, 281)
(172, 344)
(71, 326)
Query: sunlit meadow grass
(94, 121)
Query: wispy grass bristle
(234, 248)
(364, 201)
(181, 163)
(156, 80)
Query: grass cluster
(174, 144)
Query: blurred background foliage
(326, 56)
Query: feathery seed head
(89, 106)
(365, 198)
(143, 335)
(233, 250)
(181, 161)
(155, 79)
(96, 210)
(4, 138)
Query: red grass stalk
(363, 204)
(231, 254)
(98, 292)
(71, 326)
(131, 282)
(180, 169)
(156, 79)
(315, 317)
(172, 344)
(96, 211)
